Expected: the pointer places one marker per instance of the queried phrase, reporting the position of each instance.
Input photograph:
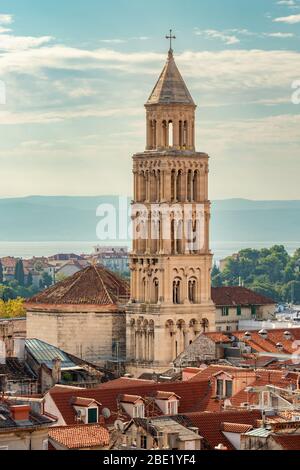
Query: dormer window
(168, 402)
(133, 405)
(86, 409)
(224, 385)
(139, 411)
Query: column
(149, 134)
(176, 134)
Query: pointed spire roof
(170, 88)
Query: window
(139, 411)
(92, 415)
(176, 292)
(225, 311)
(192, 291)
(253, 310)
(228, 389)
(239, 311)
(143, 442)
(173, 408)
(45, 444)
(220, 388)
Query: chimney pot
(20, 412)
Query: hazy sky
(78, 72)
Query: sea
(28, 250)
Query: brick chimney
(20, 412)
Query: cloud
(280, 35)
(289, 3)
(11, 43)
(59, 115)
(214, 34)
(6, 19)
(113, 41)
(292, 19)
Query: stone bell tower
(170, 271)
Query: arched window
(171, 134)
(196, 186)
(158, 185)
(190, 189)
(177, 291)
(144, 290)
(165, 135)
(173, 185)
(179, 186)
(156, 291)
(154, 134)
(192, 291)
(180, 134)
(185, 134)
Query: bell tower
(171, 260)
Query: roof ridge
(103, 285)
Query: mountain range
(61, 218)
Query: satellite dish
(119, 425)
(106, 413)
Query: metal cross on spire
(171, 37)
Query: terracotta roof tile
(80, 436)
(236, 428)
(288, 442)
(94, 285)
(192, 397)
(210, 425)
(238, 296)
(126, 398)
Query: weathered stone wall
(203, 348)
(88, 335)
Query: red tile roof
(274, 337)
(125, 382)
(130, 398)
(288, 441)
(80, 436)
(236, 428)
(247, 378)
(84, 402)
(165, 395)
(238, 296)
(193, 396)
(218, 337)
(94, 285)
(210, 425)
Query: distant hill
(74, 219)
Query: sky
(78, 73)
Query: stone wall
(91, 336)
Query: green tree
(29, 279)
(216, 277)
(46, 281)
(19, 272)
(1, 272)
(6, 293)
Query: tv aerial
(106, 413)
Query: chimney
(20, 412)
(56, 370)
